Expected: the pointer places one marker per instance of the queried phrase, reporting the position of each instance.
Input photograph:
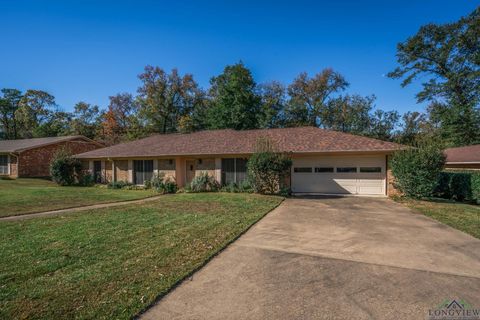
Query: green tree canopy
(233, 100)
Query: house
(463, 157)
(32, 157)
(324, 162)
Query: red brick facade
(35, 162)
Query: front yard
(114, 262)
(23, 196)
(461, 216)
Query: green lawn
(461, 216)
(23, 196)
(114, 262)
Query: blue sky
(89, 50)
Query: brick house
(324, 161)
(31, 157)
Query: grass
(461, 216)
(22, 196)
(114, 262)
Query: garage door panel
(336, 182)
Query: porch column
(155, 167)
(218, 170)
(130, 171)
(114, 174)
(90, 166)
(180, 173)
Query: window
(324, 169)
(142, 171)
(302, 169)
(370, 169)
(3, 164)
(346, 169)
(234, 170)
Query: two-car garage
(361, 175)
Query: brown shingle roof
(24, 144)
(219, 142)
(469, 154)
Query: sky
(90, 50)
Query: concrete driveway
(332, 258)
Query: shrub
(170, 186)
(118, 184)
(267, 169)
(460, 186)
(417, 170)
(243, 186)
(86, 180)
(64, 169)
(204, 183)
(157, 182)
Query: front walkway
(337, 258)
(76, 209)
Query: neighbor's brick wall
(108, 172)
(36, 162)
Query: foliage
(233, 102)
(309, 96)
(417, 170)
(166, 98)
(446, 56)
(9, 105)
(64, 169)
(85, 120)
(243, 186)
(273, 103)
(267, 168)
(118, 184)
(460, 186)
(204, 183)
(86, 179)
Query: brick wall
(391, 190)
(36, 162)
(121, 170)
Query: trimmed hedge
(461, 186)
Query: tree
(447, 56)
(309, 96)
(347, 114)
(417, 170)
(165, 98)
(383, 124)
(415, 127)
(9, 105)
(34, 109)
(55, 123)
(273, 101)
(85, 120)
(234, 102)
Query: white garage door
(363, 175)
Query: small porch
(182, 170)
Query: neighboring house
(324, 162)
(463, 157)
(31, 157)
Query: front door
(190, 164)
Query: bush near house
(417, 170)
(64, 169)
(267, 169)
(204, 183)
(459, 186)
